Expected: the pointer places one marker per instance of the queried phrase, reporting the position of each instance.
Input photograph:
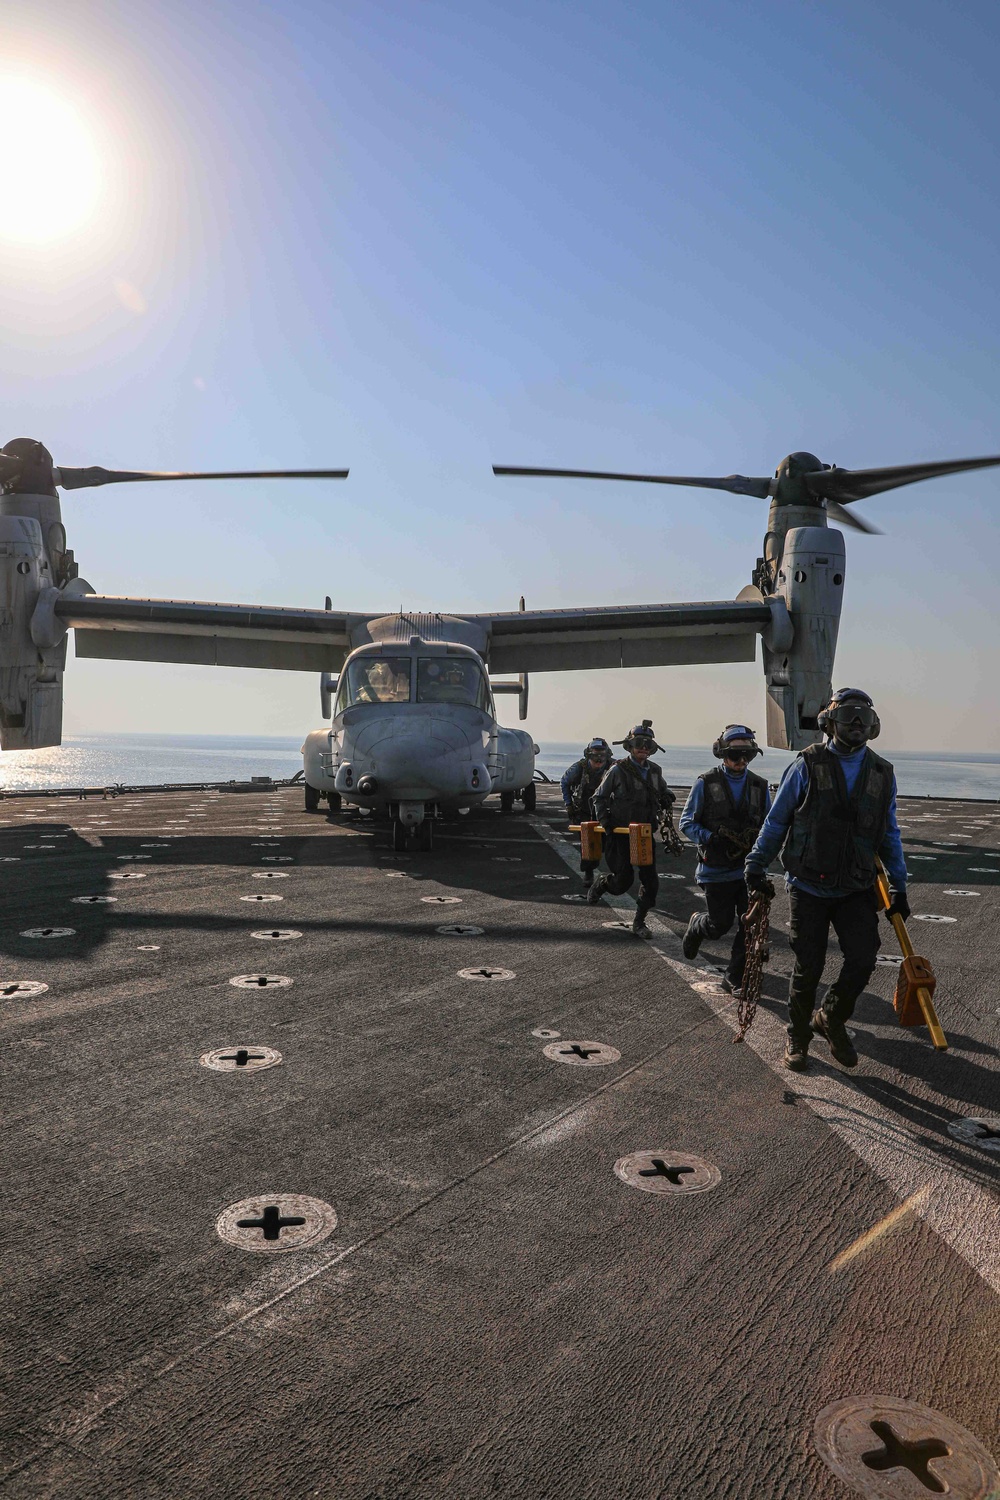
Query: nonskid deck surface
(495, 1311)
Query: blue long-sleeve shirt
(578, 772)
(790, 796)
(693, 828)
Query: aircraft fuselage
(413, 732)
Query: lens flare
(50, 173)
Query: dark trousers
(855, 921)
(726, 903)
(618, 858)
(585, 814)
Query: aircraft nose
(419, 765)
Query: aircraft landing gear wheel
(398, 835)
(529, 797)
(312, 798)
(334, 801)
(506, 801)
(426, 835)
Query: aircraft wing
(211, 635)
(633, 635)
(117, 628)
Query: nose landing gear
(413, 835)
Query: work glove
(898, 906)
(570, 814)
(757, 881)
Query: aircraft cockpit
(417, 677)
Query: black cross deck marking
(660, 1169)
(271, 1222)
(986, 1133)
(897, 1453)
(241, 1057)
(578, 1051)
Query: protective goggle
(642, 742)
(739, 752)
(846, 713)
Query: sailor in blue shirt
(723, 816)
(833, 814)
(578, 785)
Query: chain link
(672, 840)
(757, 926)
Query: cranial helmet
(597, 747)
(641, 736)
(845, 705)
(736, 737)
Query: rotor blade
(844, 517)
(846, 485)
(736, 484)
(81, 479)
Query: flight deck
(336, 1171)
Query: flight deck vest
(720, 811)
(834, 838)
(586, 784)
(630, 798)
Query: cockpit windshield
(375, 679)
(451, 679)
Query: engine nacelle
(30, 675)
(799, 673)
(32, 637)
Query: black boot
(691, 941)
(835, 1034)
(597, 890)
(796, 1055)
(588, 878)
(639, 928)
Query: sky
(420, 237)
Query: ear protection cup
(644, 729)
(824, 725)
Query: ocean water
(918, 773)
(147, 759)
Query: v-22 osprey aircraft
(414, 729)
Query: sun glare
(49, 164)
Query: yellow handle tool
(575, 827)
(640, 838)
(906, 948)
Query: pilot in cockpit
(440, 680)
